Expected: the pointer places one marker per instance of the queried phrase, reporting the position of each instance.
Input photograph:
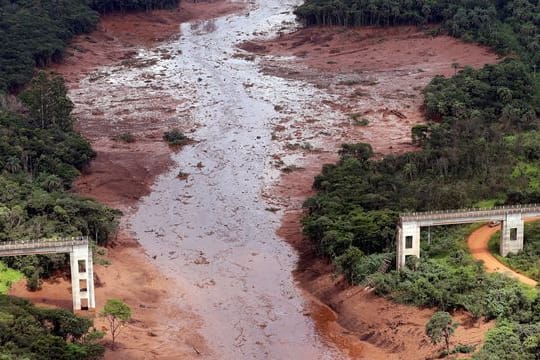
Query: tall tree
(48, 103)
(441, 326)
(117, 314)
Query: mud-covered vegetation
(480, 145)
(35, 33)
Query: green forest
(35, 33)
(480, 145)
(40, 156)
(29, 332)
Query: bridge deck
(448, 217)
(42, 246)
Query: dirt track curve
(478, 245)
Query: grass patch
(8, 277)
(488, 203)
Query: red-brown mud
(123, 172)
(378, 76)
(120, 36)
(383, 93)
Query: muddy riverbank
(123, 172)
(377, 76)
(212, 278)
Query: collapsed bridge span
(511, 219)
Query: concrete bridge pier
(82, 277)
(511, 234)
(409, 242)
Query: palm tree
(12, 164)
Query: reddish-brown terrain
(121, 174)
(374, 75)
(378, 74)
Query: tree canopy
(29, 332)
(36, 33)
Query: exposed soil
(379, 88)
(377, 75)
(478, 245)
(122, 173)
(120, 36)
(158, 325)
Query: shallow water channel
(212, 232)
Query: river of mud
(262, 125)
(214, 232)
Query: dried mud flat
(377, 77)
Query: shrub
(126, 137)
(175, 137)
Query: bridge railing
(43, 243)
(448, 214)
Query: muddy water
(213, 232)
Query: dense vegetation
(129, 5)
(28, 332)
(40, 155)
(507, 26)
(481, 145)
(35, 33)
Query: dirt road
(478, 245)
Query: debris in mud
(291, 168)
(206, 283)
(98, 75)
(252, 47)
(397, 113)
(201, 260)
(138, 63)
(126, 137)
(243, 56)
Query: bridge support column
(82, 277)
(511, 234)
(408, 242)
